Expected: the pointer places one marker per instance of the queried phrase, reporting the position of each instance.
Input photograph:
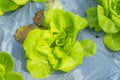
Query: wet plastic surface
(104, 65)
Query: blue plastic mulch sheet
(104, 65)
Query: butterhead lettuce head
(56, 47)
(107, 16)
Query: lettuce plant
(52, 45)
(6, 68)
(55, 47)
(106, 16)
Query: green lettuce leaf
(7, 61)
(38, 43)
(67, 21)
(59, 52)
(105, 5)
(112, 41)
(54, 60)
(6, 67)
(77, 52)
(13, 76)
(114, 6)
(2, 69)
(74, 58)
(42, 49)
(2, 77)
(39, 68)
(116, 20)
(20, 2)
(115, 11)
(1, 13)
(2, 72)
(93, 18)
(7, 5)
(106, 23)
(60, 38)
(90, 47)
(40, 0)
(67, 64)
